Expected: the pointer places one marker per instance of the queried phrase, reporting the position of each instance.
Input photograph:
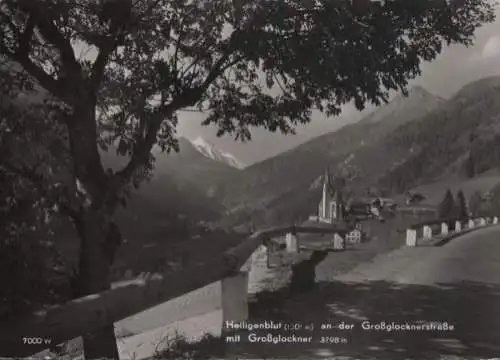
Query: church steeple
(327, 179)
(331, 206)
(326, 185)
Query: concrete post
(269, 252)
(482, 221)
(458, 226)
(338, 242)
(292, 244)
(411, 237)
(234, 298)
(129, 274)
(259, 257)
(470, 225)
(495, 220)
(259, 265)
(427, 232)
(444, 228)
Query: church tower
(330, 208)
(325, 197)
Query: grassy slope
(436, 190)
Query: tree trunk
(95, 262)
(93, 224)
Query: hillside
(419, 102)
(166, 204)
(279, 189)
(412, 141)
(193, 167)
(436, 189)
(462, 137)
(179, 187)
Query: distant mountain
(191, 166)
(419, 102)
(280, 189)
(181, 186)
(210, 151)
(477, 88)
(462, 137)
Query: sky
(455, 67)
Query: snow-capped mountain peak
(211, 151)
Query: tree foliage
(477, 203)
(493, 205)
(462, 207)
(30, 264)
(447, 206)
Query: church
(331, 208)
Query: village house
(355, 236)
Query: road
(457, 284)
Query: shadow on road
(472, 308)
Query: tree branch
(177, 47)
(25, 39)
(21, 56)
(46, 81)
(112, 43)
(188, 98)
(101, 62)
(37, 10)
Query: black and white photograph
(249, 179)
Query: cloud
(492, 48)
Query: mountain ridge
(417, 95)
(466, 128)
(212, 152)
